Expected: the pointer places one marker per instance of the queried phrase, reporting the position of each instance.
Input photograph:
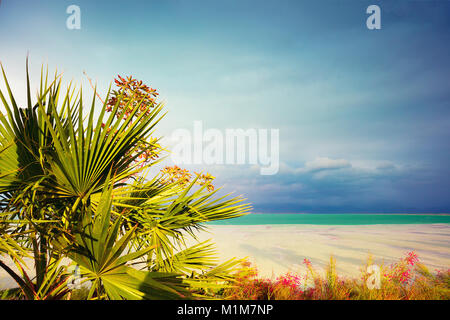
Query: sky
(363, 115)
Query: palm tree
(78, 187)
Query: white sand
(276, 249)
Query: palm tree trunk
(40, 259)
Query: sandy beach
(276, 249)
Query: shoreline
(277, 249)
(349, 219)
(368, 213)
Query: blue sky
(364, 115)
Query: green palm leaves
(104, 261)
(72, 185)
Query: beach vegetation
(80, 190)
(406, 279)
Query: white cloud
(386, 166)
(324, 163)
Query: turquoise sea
(335, 219)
